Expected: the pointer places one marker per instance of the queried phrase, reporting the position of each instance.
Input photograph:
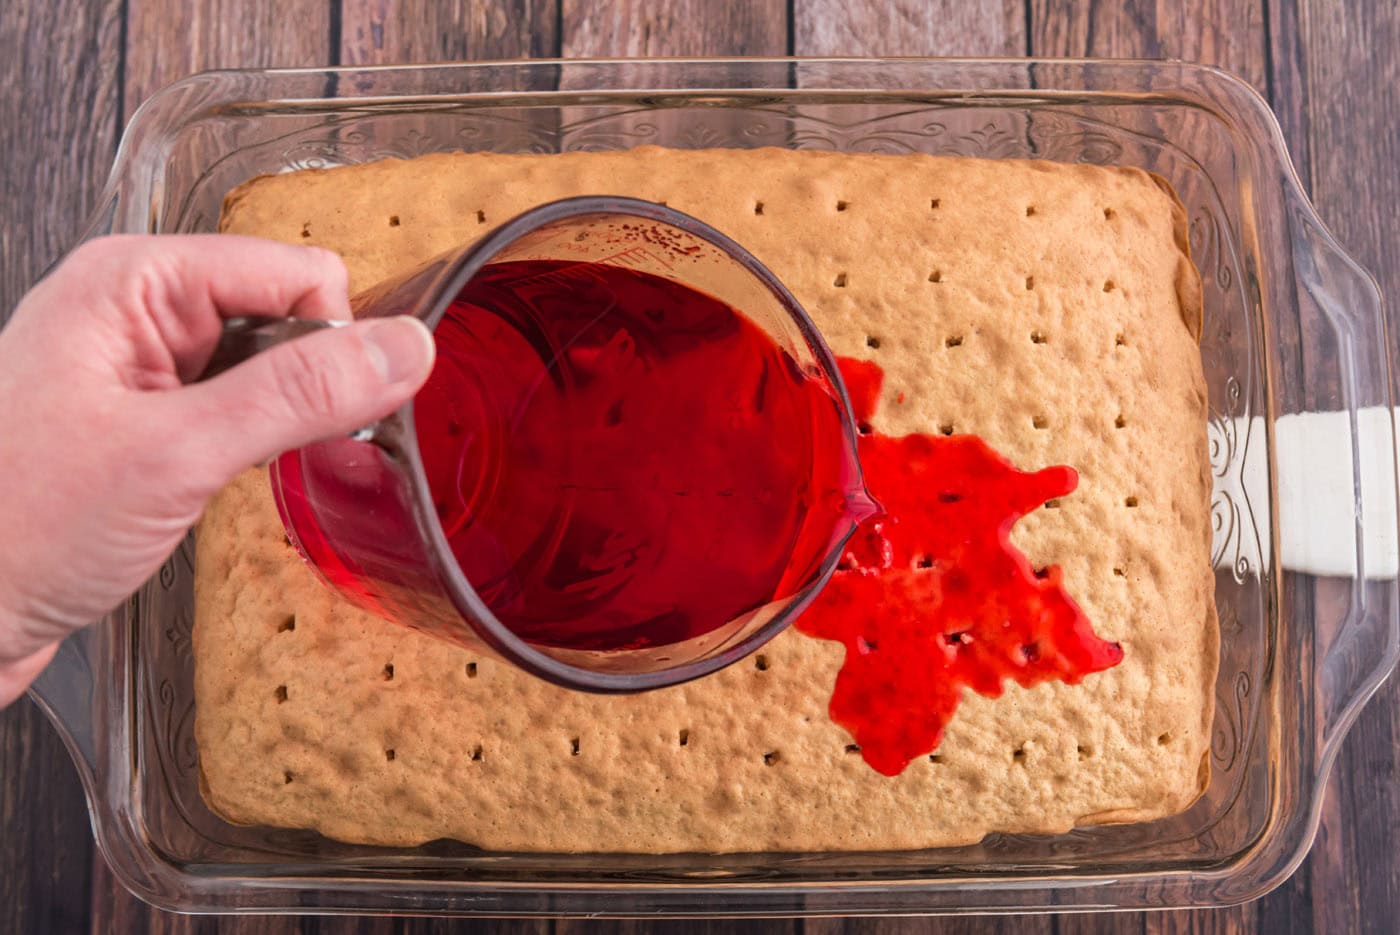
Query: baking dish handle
(1357, 620)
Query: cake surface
(1050, 309)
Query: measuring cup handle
(250, 334)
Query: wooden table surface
(73, 71)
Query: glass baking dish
(1292, 325)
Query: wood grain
(1227, 33)
(687, 27)
(909, 27)
(971, 925)
(382, 32)
(60, 65)
(169, 39)
(46, 859)
(1285, 83)
(1351, 88)
(60, 111)
(632, 28)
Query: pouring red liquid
(619, 461)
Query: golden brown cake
(1076, 313)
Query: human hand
(108, 453)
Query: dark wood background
(72, 71)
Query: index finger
(186, 285)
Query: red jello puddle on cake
(932, 596)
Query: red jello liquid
(619, 461)
(931, 596)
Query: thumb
(318, 386)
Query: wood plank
(909, 27)
(677, 927)
(116, 910)
(1349, 76)
(674, 28)
(263, 33)
(1285, 81)
(381, 32)
(1100, 924)
(48, 852)
(170, 39)
(59, 63)
(944, 925)
(1199, 922)
(1227, 33)
(680, 27)
(60, 111)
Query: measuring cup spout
(861, 506)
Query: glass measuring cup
(366, 514)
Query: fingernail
(400, 348)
